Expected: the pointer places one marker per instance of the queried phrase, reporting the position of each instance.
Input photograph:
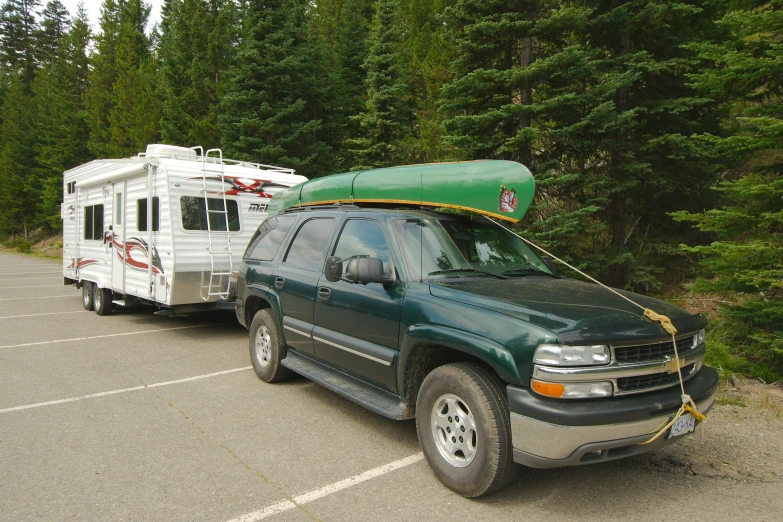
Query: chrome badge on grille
(670, 365)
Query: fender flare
(266, 294)
(497, 356)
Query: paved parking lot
(139, 417)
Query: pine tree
(18, 28)
(747, 254)
(387, 115)
(270, 112)
(16, 158)
(54, 24)
(350, 52)
(99, 96)
(198, 41)
(62, 129)
(134, 114)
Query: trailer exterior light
(563, 355)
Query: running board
(363, 394)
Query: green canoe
(501, 189)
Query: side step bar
(363, 394)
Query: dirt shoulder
(741, 439)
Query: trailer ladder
(218, 282)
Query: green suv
(451, 320)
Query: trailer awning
(113, 171)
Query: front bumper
(551, 433)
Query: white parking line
(305, 498)
(31, 286)
(55, 341)
(123, 390)
(38, 297)
(59, 276)
(24, 272)
(38, 315)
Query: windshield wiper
(526, 271)
(459, 270)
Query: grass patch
(731, 401)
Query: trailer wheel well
(424, 358)
(252, 305)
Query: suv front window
(362, 237)
(454, 247)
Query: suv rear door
(295, 279)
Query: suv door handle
(279, 282)
(324, 293)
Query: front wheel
(102, 300)
(463, 424)
(266, 351)
(87, 295)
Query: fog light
(573, 390)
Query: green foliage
(197, 45)
(271, 110)
(746, 256)
(387, 115)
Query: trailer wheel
(87, 295)
(266, 351)
(463, 424)
(101, 298)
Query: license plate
(685, 424)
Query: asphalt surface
(139, 417)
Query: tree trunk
(617, 201)
(524, 97)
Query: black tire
(487, 466)
(102, 300)
(266, 351)
(87, 295)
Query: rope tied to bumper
(688, 406)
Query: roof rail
(330, 206)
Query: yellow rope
(687, 403)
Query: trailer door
(118, 237)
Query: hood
(576, 311)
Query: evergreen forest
(654, 129)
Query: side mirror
(367, 270)
(550, 264)
(334, 269)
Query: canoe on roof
(497, 188)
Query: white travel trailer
(178, 253)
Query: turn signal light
(547, 389)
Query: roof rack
(330, 206)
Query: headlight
(573, 390)
(562, 355)
(700, 338)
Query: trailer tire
(266, 351)
(102, 299)
(87, 295)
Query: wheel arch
(428, 347)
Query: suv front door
(357, 326)
(295, 278)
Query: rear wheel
(266, 351)
(101, 298)
(464, 429)
(87, 295)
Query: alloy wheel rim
(454, 430)
(263, 346)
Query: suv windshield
(452, 247)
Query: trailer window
(93, 222)
(141, 214)
(118, 209)
(194, 214)
(269, 237)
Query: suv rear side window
(308, 248)
(269, 237)
(362, 237)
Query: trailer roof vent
(159, 150)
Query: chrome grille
(649, 352)
(653, 380)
